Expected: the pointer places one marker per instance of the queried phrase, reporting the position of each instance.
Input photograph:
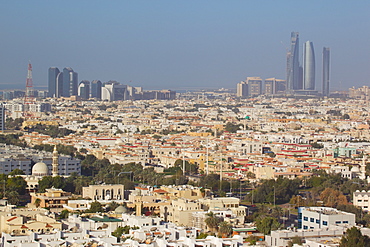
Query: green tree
(267, 224)
(64, 214)
(202, 235)
(212, 221)
(225, 229)
(13, 124)
(17, 184)
(354, 238)
(48, 182)
(16, 172)
(13, 197)
(95, 207)
(112, 206)
(37, 202)
(295, 240)
(232, 128)
(119, 232)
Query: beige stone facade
(104, 192)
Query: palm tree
(212, 221)
(37, 202)
(225, 229)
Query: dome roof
(120, 210)
(40, 169)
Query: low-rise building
(104, 192)
(53, 198)
(323, 217)
(362, 199)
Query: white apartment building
(362, 199)
(323, 217)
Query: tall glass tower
(70, 82)
(52, 82)
(325, 71)
(293, 63)
(308, 66)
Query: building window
(305, 218)
(345, 222)
(359, 201)
(312, 220)
(317, 221)
(305, 227)
(325, 223)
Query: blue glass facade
(52, 81)
(293, 63)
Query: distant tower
(84, 89)
(293, 63)
(52, 82)
(325, 71)
(70, 84)
(95, 89)
(308, 66)
(55, 162)
(28, 97)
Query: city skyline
(174, 45)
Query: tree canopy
(354, 238)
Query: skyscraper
(52, 82)
(59, 85)
(84, 89)
(70, 82)
(95, 89)
(325, 71)
(308, 66)
(293, 63)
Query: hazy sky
(176, 44)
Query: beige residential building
(362, 199)
(104, 192)
(54, 199)
(180, 211)
(18, 225)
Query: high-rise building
(254, 86)
(274, 86)
(59, 85)
(325, 71)
(2, 117)
(250, 87)
(308, 66)
(84, 89)
(70, 82)
(52, 82)
(113, 90)
(95, 89)
(242, 89)
(293, 64)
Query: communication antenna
(28, 97)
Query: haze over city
(180, 44)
